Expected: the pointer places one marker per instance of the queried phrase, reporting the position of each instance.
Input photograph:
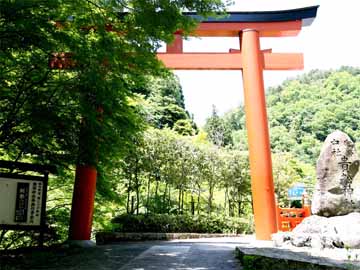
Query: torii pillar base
(83, 203)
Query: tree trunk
(128, 195)
(137, 202)
(226, 199)
(169, 202)
(211, 193)
(128, 202)
(137, 189)
(231, 210)
(179, 201)
(239, 201)
(198, 202)
(132, 204)
(182, 201)
(239, 208)
(156, 188)
(164, 199)
(192, 205)
(148, 195)
(137, 199)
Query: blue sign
(295, 193)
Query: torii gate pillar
(258, 136)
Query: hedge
(166, 223)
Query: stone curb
(261, 258)
(103, 238)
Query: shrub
(166, 223)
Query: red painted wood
(289, 218)
(176, 46)
(258, 137)
(229, 61)
(265, 29)
(83, 203)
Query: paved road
(186, 255)
(202, 254)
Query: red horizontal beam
(229, 61)
(283, 61)
(198, 61)
(265, 29)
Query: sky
(332, 41)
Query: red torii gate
(249, 27)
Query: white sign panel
(20, 201)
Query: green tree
(235, 119)
(216, 129)
(184, 127)
(235, 176)
(166, 103)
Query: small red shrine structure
(289, 218)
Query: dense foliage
(304, 110)
(169, 173)
(311, 108)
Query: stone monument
(335, 220)
(335, 170)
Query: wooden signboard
(23, 196)
(22, 201)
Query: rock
(312, 225)
(336, 168)
(280, 238)
(330, 241)
(347, 229)
(322, 232)
(300, 240)
(316, 241)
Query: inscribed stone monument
(335, 220)
(335, 169)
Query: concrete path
(194, 254)
(204, 254)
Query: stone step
(113, 237)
